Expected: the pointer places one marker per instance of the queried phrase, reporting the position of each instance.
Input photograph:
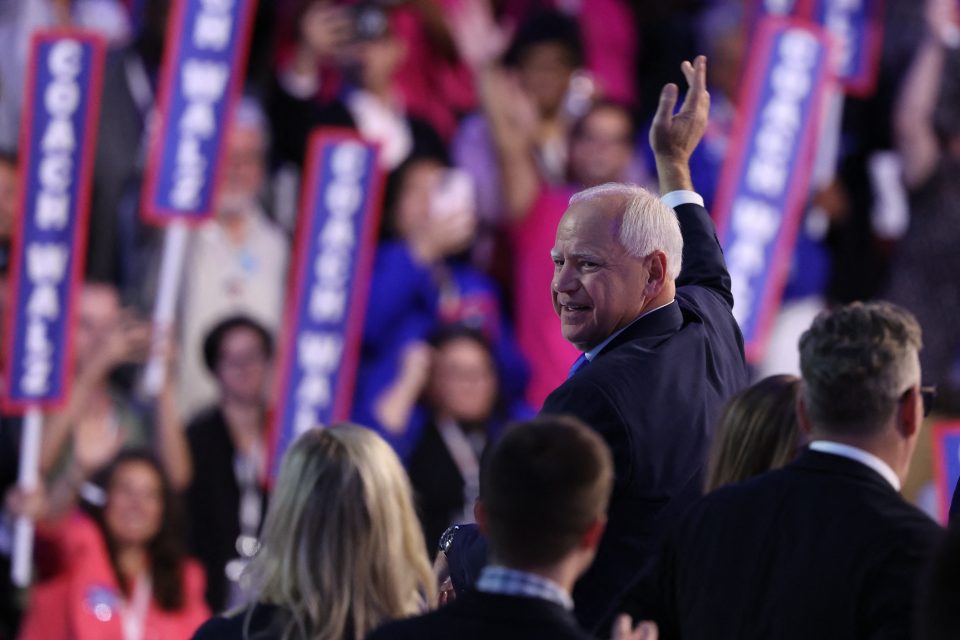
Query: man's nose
(564, 280)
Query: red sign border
(318, 140)
(944, 493)
(160, 216)
(82, 222)
(779, 269)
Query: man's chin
(577, 339)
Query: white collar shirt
(861, 456)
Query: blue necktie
(577, 365)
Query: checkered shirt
(509, 582)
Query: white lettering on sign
(47, 261)
(778, 7)
(319, 354)
(204, 84)
(755, 216)
(838, 19)
(214, 25)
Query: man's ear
(591, 537)
(909, 414)
(656, 275)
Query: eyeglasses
(927, 394)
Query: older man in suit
(825, 547)
(661, 349)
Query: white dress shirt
(861, 456)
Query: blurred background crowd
(488, 116)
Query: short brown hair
(542, 485)
(855, 362)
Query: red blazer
(81, 601)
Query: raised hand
(479, 39)
(126, 343)
(325, 28)
(33, 504)
(673, 137)
(440, 237)
(940, 13)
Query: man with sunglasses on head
(825, 547)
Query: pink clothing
(538, 328)
(610, 46)
(83, 600)
(434, 87)
(609, 35)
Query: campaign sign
(203, 65)
(57, 140)
(757, 10)
(946, 463)
(765, 177)
(336, 235)
(857, 26)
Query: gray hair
(856, 360)
(648, 224)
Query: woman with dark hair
(226, 497)
(465, 412)
(118, 569)
(758, 431)
(421, 283)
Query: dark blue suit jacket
(654, 394)
(823, 548)
(486, 616)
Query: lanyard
(133, 613)
(465, 457)
(248, 470)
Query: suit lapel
(665, 321)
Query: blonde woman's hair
(342, 551)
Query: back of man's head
(543, 485)
(857, 361)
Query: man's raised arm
(673, 137)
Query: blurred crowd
(488, 117)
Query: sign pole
(168, 290)
(200, 80)
(28, 479)
(57, 137)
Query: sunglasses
(928, 395)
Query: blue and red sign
(336, 236)
(946, 463)
(757, 10)
(857, 26)
(57, 140)
(202, 74)
(765, 178)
